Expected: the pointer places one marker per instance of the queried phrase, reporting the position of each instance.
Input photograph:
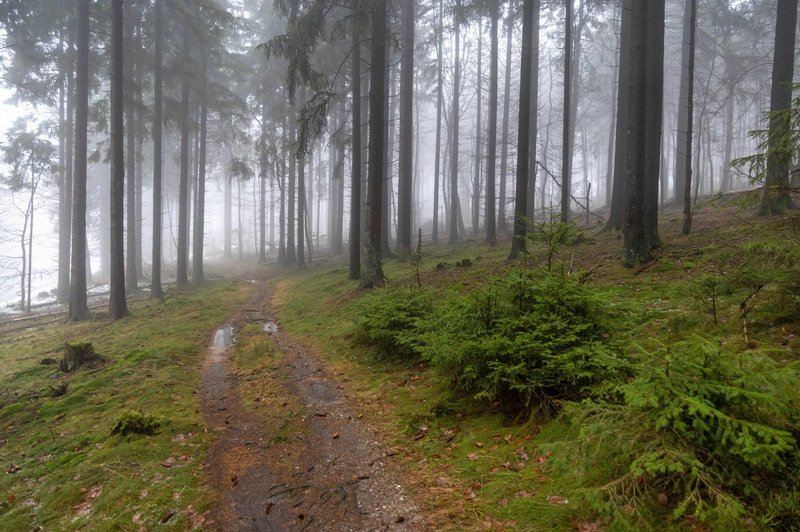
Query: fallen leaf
(557, 499)
(478, 444)
(508, 438)
(503, 503)
(169, 462)
(490, 523)
(86, 505)
(137, 518)
(423, 430)
(195, 519)
(336, 435)
(596, 526)
(13, 468)
(524, 494)
(166, 516)
(472, 457)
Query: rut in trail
(331, 475)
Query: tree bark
(476, 179)
(501, 209)
(534, 114)
(619, 194)
(155, 282)
(566, 149)
(406, 161)
(645, 93)
(520, 209)
(491, 148)
(78, 307)
(776, 196)
(301, 196)
(132, 274)
(372, 271)
(183, 189)
(355, 160)
(686, 161)
(455, 209)
(439, 101)
(200, 203)
(118, 306)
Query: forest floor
(274, 416)
(290, 450)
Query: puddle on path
(223, 339)
(270, 327)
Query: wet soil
(329, 474)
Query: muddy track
(330, 475)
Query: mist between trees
(152, 134)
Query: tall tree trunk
(439, 100)
(118, 306)
(454, 199)
(406, 161)
(534, 114)
(476, 179)
(132, 274)
(686, 161)
(155, 282)
(776, 197)
(645, 95)
(491, 148)
(200, 204)
(725, 185)
(183, 189)
(228, 218)
(372, 271)
(566, 153)
(66, 112)
(684, 98)
(523, 141)
(355, 171)
(619, 194)
(388, 151)
(301, 197)
(501, 209)
(263, 165)
(139, 185)
(654, 116)
(78, 307)
(339, 220)
(283, 185)
(291, 252)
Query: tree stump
(78, 354)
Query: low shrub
(525, 343)
(134, 422)
(390, 319)
(706, 429)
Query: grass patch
(62, 468)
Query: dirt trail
(331, 475)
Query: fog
(228, 76)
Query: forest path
(303, 462)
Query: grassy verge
(62, 469)
(481, 468)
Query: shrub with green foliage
(707, 428)
(134, 422)
(526, 343)
(390, 319)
